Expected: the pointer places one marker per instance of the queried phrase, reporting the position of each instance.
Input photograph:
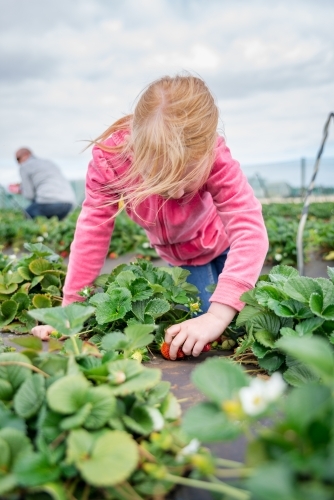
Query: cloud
(69, 69)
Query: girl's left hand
(192, 335)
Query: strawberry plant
(288, 432)
(33, 281)
(284, 304)
(78, 423)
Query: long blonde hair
(172, 135)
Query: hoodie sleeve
(93, 230)
(241, 214)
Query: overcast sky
(69, 68)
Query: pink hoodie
(224, 213)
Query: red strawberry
(164, 349)
(206, 348)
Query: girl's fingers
(42, 331)
(171, 332)
(198, 348)
(177, 342)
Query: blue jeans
(202, 276)
(49, 209)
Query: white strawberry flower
(260, 393)
(39, 239)
(278, 256)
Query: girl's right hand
(42, 331)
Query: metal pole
(303, 177)
(299, 244)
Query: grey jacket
(43, 182)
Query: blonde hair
(172, 135)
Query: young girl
(175, 177)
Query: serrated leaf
(289, 332)
(22, 300)
(157, 307)
(140, 289)
(271, 361)
(301, 288)
(114, 341)
(41, 301)
(34, 469)
(330, 272)
(316, 303)
(266, 321)
(112, 305)
(66, 320)
(328, 312)
(266, 294)
(139, 335)
(281, 273)
(299, 375)
(246, 314)
(29, 397)
(249, 298)
(25, 273)
(103, 406)
(265, 338)
(8, 289)
(308, 326)
(259, 350)
(39, 266)
(327, 289)
(8, 312)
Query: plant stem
(218, 487)
(226, 473)
(26, 365)
(86, 491)
(228, 463)
(75, 345)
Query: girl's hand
(193, 334)
(44, 332)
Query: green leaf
(259, 350)
(280, 274)
(18, 442)
(299, 375)
(8, 312)
(22, 300)
(328, 312)
(77, 419)
(139, 421)
(271, 361)
(307, 327)
(140, 289)
(330, 272)
(316, 303)
(41, 301)
(34, 469)
(218, 379)
(25, 273)
(289, 332)
(272, 481)
(29, 342)
(39, 266)
(111, 306)
(145, 380)
(30, 396)
(206, 422)
(8, 289)
(139, 335)
(124, 278)
(55, 490)
(68, 394)
(66, 320)
(305, 404)
(246, 314)
(103, 406)
(6, 390)
(107, 460)
(301, 288)
(14, 373)
(114, 341)
(265, 338)
(157, 307)
(249, 298)
(4, 457)
(266, 293)
(314, 352)
(266, 321)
